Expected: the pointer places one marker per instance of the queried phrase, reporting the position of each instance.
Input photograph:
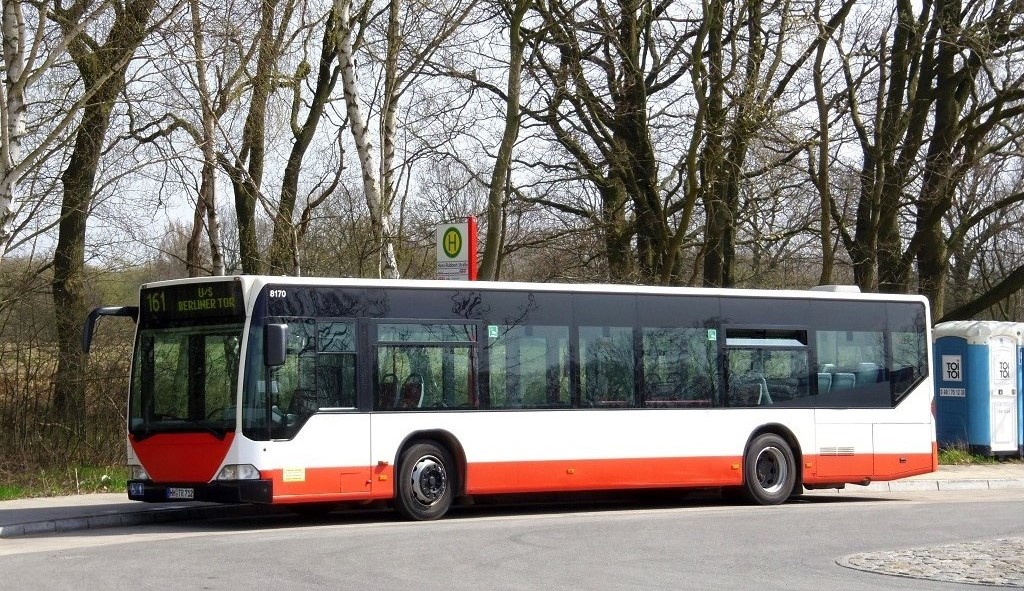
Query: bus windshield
(185, 378)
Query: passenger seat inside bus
(412, 392)
(387, 392)
(752, 390)
(844, 381)
(763, 398)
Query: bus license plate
(181, 493)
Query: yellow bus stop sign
(456, 250)
(451, 242)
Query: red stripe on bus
(377, 482)
(181, 457)
(861, 467)
(575, 475)
(352, 483)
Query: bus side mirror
(275, 344)
(94, 316)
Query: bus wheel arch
(429, 475)
(772, 462)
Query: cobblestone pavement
(997, 562)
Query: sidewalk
(983, 477)
(48, 515)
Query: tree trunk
(284, 245)
(489, 264)
(206, 202)
(820, 176)
(380, 218)
(14, 30)
(716, 214)
(1010, 285)
(246, 171)
(103, 76)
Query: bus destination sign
(195, 301)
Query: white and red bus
(312, 391)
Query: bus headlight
(238, 472)
(137, 472)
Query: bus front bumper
(227, 491)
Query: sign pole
(471, 253)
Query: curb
(902, 486)
(142, 517)
(156, 515)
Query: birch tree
(19, 54)
(380, 217)
(412, 34)
(31, 50)
(206, 215)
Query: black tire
(425, 484)
(769, 470)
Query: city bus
(314, 392)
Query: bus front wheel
(425, 482)
(769, 470)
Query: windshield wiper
(218, 433)
(148, 431)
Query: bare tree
(284, 246)
(598, 68)
(947, 90)
(206, 201)
(380, 218)
(490, 264)
(245, 167)
(756, 78)
(102, 65)
(413, 34)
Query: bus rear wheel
(426, 484)
(769, 470)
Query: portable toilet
(978, 373)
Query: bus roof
(258, 281)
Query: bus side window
(678, 368)
(529, 366)
(767, 367)
(424, 376)
(607, 376)
(433, 364)
(851, 369)
(745, 379)
(336, 365)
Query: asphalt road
(647, 543)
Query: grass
(956, 456)
(10, 491)
(50, 482)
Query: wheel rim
(772, 470)
(429, 480)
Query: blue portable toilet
(978, 377)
